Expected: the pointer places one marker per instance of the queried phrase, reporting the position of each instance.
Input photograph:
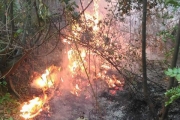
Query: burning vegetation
(78, 80)
(85, 73)
(98, 55)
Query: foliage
(9, 104)
(5, 98)
(70, 8)
(174, 73)
(175, 3)
(125, 6)
(166, 35)
(3, 83)
(43, 10)
(173, 93)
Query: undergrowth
(8, 104)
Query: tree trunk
(12, 19)
(145, 86)
(171, 79)
(4, 11)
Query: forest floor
(126, 104)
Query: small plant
(3, 83)
(174, 3)
(5, 98)
(174, 93)
(9, 104)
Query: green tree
(173, 65)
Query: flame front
(44, 82)
(77, 65)
(75, 60)
(33, 107)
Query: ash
(66, 106)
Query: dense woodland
(139, 38)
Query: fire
(96, 7)
(33, 107)
(111, 83)
(75, 62)
(76, 90)
(44, 82)
(77, 65)
(47, 80)
(94, 19)
(83, 53)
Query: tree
(145, 86)
(171, 79)
(21, 32)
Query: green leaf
(173, 75)
(172, 2)
(4, 83)
(178, 69)
(168, 73)
(170, 70)
(74, 3)
(19, 31)
(66, 1)
(173, 94)
(175, 71)
(178, 77)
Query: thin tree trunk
(145, 86)
(4, 12)
(144, 49)
(12, 18)
(171, 79)
(10, 35)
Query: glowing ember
(76, 90)
(33, 107)
(113, 82)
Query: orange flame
(113, 82)
(75, 61)
(45, 81)
(33, 107)
(96, 7)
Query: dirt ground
(126, 104)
